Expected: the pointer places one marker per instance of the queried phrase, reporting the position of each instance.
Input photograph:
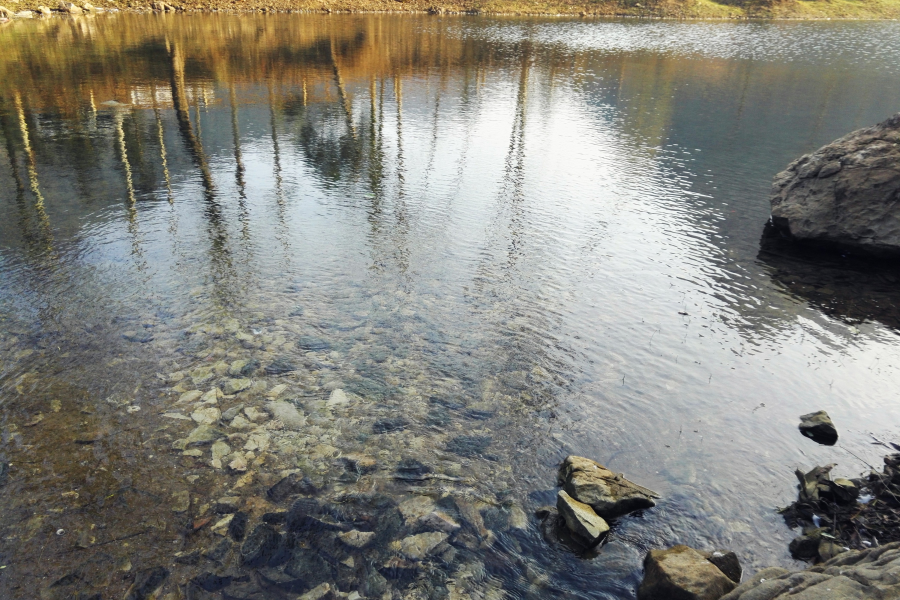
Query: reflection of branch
(182, 113)
(31, 165)
(339, 82)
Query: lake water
(430, 257)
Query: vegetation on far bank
(679, 9)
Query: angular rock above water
(682, 573)
(845, 193)
(818, 427)
(609, 494)
(581, 518)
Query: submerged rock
(233, 386)
(818, 427)
(146, 583)
(260, 545)
(682, 573)
(581, 518)
(280, 365)
(418, 547)
(609, 494)
(845, 193)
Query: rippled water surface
(415, 262)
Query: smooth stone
(201, 375)
(287, 413)
(239, 463)
(818, 427)
(227, 504)
(580, 518)
(206, 416)
(418, 547)
(682, 572)
(233, 386)
(243, 368)
(357, 539)
(219, 451)
(609, 494)
(193, 452)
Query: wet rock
(237, 463)
(276, 391)
(309, 566)
(817, 426)
(221, 526)
(280, 366)
(683, 573)
(227, 505)
(275, 518)
(469, 446)
(232, 412)
(237, 529)
(438, 521)
(191, 396)
(219, 451)
(206, 416)
(581, 518)
(844, 193)
(418, 547)
(44, 11)
(806, 546)
(291, 485)
(140, 337)
(260, 545)
(357, 539)
(5, 12)
(389, 425)
(181, 501)
(843, 491)
(233, 386)
(240, 422)
(320, 592)
(212, 582)
(212, 396)
(410, 468)
(609, 494)
(312, 343)
(727, 562)
(146, 583)
(243, 368)
(203, 435)
(201, 375)
(399, 570)
(255, 415)
(359, 463)
(219, 551)
(287, 413)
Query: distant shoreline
(788, 10)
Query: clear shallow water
(504, 240)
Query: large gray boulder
(864, 575)
(846, 193)
(608, 493)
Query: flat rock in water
(609, 494)
(418, 547)
(845, 193)
(357, 539)
(204, 434)
(293, 484)
(683, 573)
(287, 413)
(206, 416)
(260, 545)
(581, 518)
(233, 386)
(818, 427)
(280, 365)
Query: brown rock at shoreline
(683, 573)
(608, 493)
